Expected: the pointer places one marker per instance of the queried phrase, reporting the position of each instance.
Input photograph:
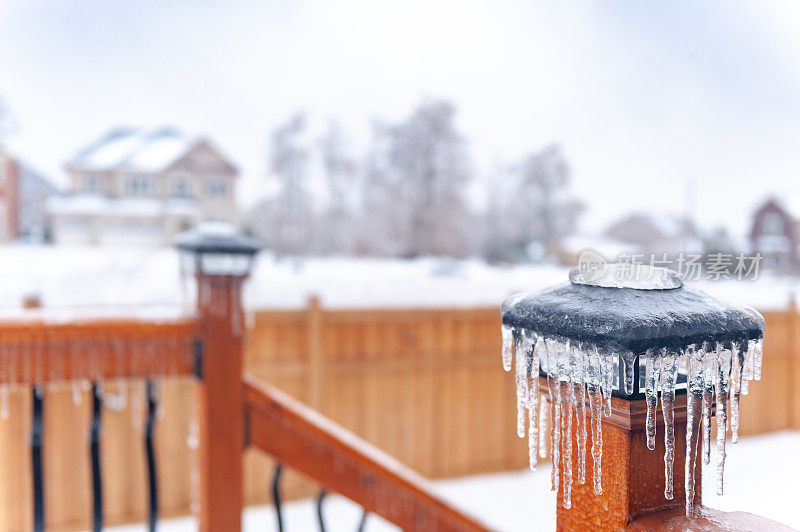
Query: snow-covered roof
(95, 205)
(134, 149)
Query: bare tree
(416, 174)
(288, 216)
(335, 231)
(533, 206)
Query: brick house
(23, 196)
(774, 235)
(135, 186)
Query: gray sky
(643, 96)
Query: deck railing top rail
(36, 350)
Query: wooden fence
(424, 385)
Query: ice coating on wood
(575, 378)
(628, 322)
(592, 342)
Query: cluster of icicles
(84, 356)
(580, 377)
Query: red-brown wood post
(221, 406)
(221, 264)
(632, 475)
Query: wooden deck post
(221, 403)
(632, 475)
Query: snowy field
(758, 479)
(75, 276)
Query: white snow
(96, 205)
(123, 276)
(760, 480)
(144, 150)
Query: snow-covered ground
(760, 478)
(70, 276)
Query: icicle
(564, 371)
(651, 363)
(533, 402)
(38, 362)
(555, 412)
(595, 378)
(669, 377)
(14, 367)
(119, 356)
(628, 359)
(607, 380)
(508, 346)
(578, 362)
(737, 363)
(722, 390)
(136, 402)
(236, 319)
(95, 361)
(695, 387)
(709, 374)
(56, 371)
(205, 292)
(77, 394)
(27, 369)
(749, 362)
(759, 356)
(521, 351)
(544, 411)
(4, 399)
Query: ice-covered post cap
(217, 250)
(590, 336)
(626, 317)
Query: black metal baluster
(37, 439)
(320, 517)
(97, 479)
(152, 474)
(276, 494)
(363, 521)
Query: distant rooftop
(147, 150)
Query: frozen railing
(234, 411)
(41, 352)
(344, 463)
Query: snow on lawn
(761, 477)
(70, 276)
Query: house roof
(29, 176)
(146, 150)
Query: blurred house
(656, 233)
(136, 186)
(639, 234)
(774, 234)
(23, 194)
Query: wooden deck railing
(233, 413)
(39, 353)
(344, 463)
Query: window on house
(181, 188)
(91, 183)
(217, 188)
(139, 185)
(772, 224)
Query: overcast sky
(644, 97)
